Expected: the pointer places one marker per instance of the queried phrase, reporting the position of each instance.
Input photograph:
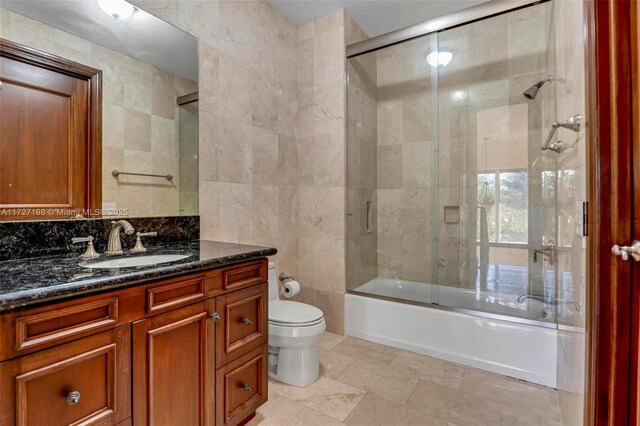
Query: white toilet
(294, 330)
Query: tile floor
(364, 383)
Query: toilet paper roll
(290, 288)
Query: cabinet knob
(247, 321)
(73, 398)
(215, 316)
(246, 387)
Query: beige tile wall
(321, 162)
(248, 121)
(140, 116)
(272, 148)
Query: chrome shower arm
(571, 123)
(546, 144)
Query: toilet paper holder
(284, 277)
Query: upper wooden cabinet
(50, 137)
(179, 351)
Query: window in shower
(508, 216)
(512, 207)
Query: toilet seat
(293, 314)
(306, 324)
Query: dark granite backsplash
(20, 240)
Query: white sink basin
(129, 262)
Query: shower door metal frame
(463, 17)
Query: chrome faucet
(115, 245)
(549, 300)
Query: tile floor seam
(354, 408)
(324, 414)
(373, 391)
(501, 404)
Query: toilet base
(294, 366)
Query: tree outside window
(508, 218)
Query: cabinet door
(173, 368)
(84, 382)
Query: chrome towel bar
(117, 173)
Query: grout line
(355, 407)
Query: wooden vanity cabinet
(190, 350)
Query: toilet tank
(273, 282)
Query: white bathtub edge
(536, 363)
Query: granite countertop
(25, 282)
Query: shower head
(532, 91)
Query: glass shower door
(188, 145)
(392, 172)
(499, 249)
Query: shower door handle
(625, 251)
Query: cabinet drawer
(49, 327)
(241, 387)
(243, 322)
(175, 293)
(83, 382)
(34, 329)
(244, 275)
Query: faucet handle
(139, 248)
(90, 252)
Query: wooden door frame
(610, 78)
(18, 52)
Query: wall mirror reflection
(98, 112)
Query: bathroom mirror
(99, 106)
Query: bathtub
(486, 330)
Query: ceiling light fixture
(439, 58)
(458, 95)
(117, 9)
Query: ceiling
(141, 36)
(145, 37)
(375, 17)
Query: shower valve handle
(625, 251)
(548, 253)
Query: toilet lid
(293, 313)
